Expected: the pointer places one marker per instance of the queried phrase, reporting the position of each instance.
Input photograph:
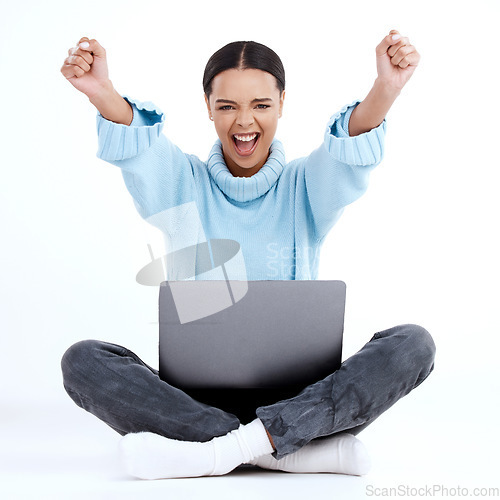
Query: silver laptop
(260, 335)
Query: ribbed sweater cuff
(119, 142)
(363, 149)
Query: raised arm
(337, 173)
(397, 59)
(158, 175)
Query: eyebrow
(258, 99)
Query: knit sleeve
(157, 173)
(337, 173)
(119, 142)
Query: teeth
(245, 138)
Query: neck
(238, 171)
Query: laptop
(237, 344)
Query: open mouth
(245, 144)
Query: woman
(247, 192)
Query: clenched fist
(86, 67)
(397, 59)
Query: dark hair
(244, 55)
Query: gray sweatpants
(116, 386)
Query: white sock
(342, 454)
(151, 456)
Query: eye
(226, 107)
(263, 106)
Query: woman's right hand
(86, 68)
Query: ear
(282, 98)
(208, 107)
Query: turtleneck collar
(246, 188)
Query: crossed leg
(115, 385)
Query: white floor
(443, 435)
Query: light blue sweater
(279, 216)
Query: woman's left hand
(396, 60)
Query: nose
(245, 118)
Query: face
(245, 106)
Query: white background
(421, 246)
